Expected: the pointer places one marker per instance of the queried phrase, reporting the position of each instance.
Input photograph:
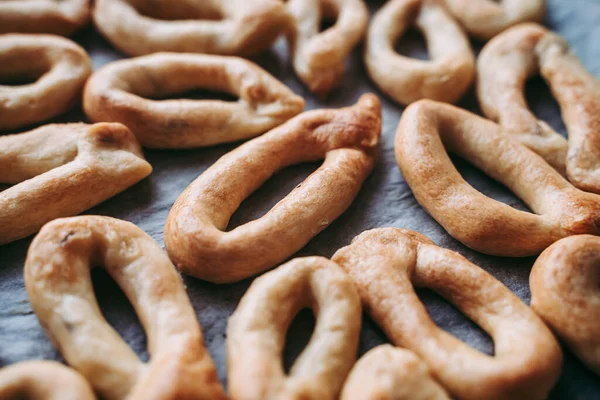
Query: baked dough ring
(195, 235)
(121, 92)
(257, 329)
(58, 282)
(60, 66)
(318, 57)
(451, 69)
(63, 170)
(479, 222)
(43, 380)
(564, 293)
(386, 264)
(391, 373)
(504, 66)
(229, 27)
(62, 17)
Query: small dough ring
(228, 27)
(504, 66)
(63, 170)
(195, 235)
(564, 293)
(391, 373)
(318, 58)
(119, 92)
(62, 67)
(44, 16)
(43, 380)
(386, 264)
(58, 282)
(257, 329)
(428, 129)
(451, 69)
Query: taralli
(228, 27)
(43, 380)
(504, 66)
(451, 69)
(62, 17)
(564, 293)
(256, 333)
(63, 170)
(428, 129)
(59, 68)
(318, 57)
(122, 92)
(386, 264)
(58, 282)
(391, 373)
(484, 19)
(195, 235)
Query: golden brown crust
(58, 282)
(386, 264)
(59, 67)
(564, 293)
(62, 170)
(256, 333)
(451, 69)
(122, 92)
(195, 235)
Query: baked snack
(62, 17)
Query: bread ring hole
(298, 336)
(412, 44)
(543, 105)
(167, 10)
(329, 15)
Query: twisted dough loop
(504, 66)
(256, 333)
(59, 67)
(564, 293)
(195, 235)
(119, 93)
(57, 278)
(386, 263)
(231, 27)
(451, 69)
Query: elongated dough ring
(195, 235)
(63, 170)
(485, 19)
(122, 92)
(391, 373)
(428, 128)
(256, 333)
(504, 66)
(228, 27)
(451, 69)
(386, 264)
(564, 293)
(61, 66)
(43, 380)
(318, 57)
(58, 282)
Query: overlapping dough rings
(195, 235)
(564, 293)
(386, 264)
(122, 92)
(59, 68)
(43, 380)
(427, 129)
(504, 66)
(318, 57)
(391, 373)
(62, 17)
(257, 329)
(229, 27)
(58, 282)
(445, 77)
(62, 170)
